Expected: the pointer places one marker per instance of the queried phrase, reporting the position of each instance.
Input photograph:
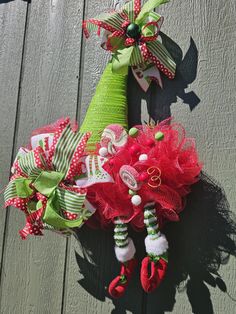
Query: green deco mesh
(108, 106)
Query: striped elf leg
(124, 250)
(156, 247)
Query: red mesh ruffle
(175, 158)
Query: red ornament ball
(134, 150)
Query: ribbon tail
(154, 75)
(34, 223)
(11, 196)
(145, 77)
(21, 153)
(121, 60)
(137, 8)
(30, 229)
(148, 7)
(132, 9)
(36, 215)
(109, 21)
(68, 201)
(158, 55)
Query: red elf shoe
(118, 285)
(157, 272)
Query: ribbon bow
(42, 183)
(131, 34)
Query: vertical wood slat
(34, 269)
(12, 29)
(85, 299)
(211, 24)
(91, 269)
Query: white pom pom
(103, 151)
(156, 246)
(143, 157)
(136, 200)
(124, 254)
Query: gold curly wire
(151, 123)
(154, 178)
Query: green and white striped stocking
(156, 243)
(124, 246)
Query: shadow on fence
(159, 100)
(199, 244)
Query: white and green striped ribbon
(129, 10)
(70, 201)
(120, 233)
(28, 165)
(10, 191)
(114, 20)
(65, 149)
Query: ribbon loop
(47, 181)
(23, 188)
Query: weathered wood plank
(89, 295)
(12, 28)
(34, 269)
(212, 123)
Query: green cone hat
(108, 106)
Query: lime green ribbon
(23, 189)
(147, 8)
(47, 184)
(52, 218)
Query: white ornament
(136, 200)
(103, 151)
(143, 157)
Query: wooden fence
(48, 70)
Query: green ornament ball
(133, 132)
(133, 31)
(159, 136)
